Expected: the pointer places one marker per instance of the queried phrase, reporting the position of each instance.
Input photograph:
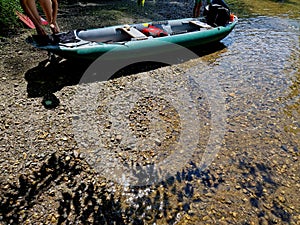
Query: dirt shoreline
(46, 179)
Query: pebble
(119, 137)
(208, 195)
(205, 218)
(231, 94)
(238, 187)
(76, 153)
(234, 214)
(245, 191)
(281, 198)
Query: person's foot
(40, 31)
(54, 28)
(41, 39)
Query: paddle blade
(25, 19)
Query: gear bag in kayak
(217, 13)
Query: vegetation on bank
(8, 18)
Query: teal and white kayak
(92, 43)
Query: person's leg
(196, 10)
(30, 9)
(50, 9)
(54, 25)
(47, 8)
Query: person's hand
(54, 28)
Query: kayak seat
(105, 35)
(200, 24)
(132, 32)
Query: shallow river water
(243, 101)
(258, 71)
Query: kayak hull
(88, 47)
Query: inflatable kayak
(92, 43)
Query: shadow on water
(53, 172)
(258, 187)
(87, 202)
(51, 76)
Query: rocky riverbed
(49, 168)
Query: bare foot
(54, 28)
(40, 31)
